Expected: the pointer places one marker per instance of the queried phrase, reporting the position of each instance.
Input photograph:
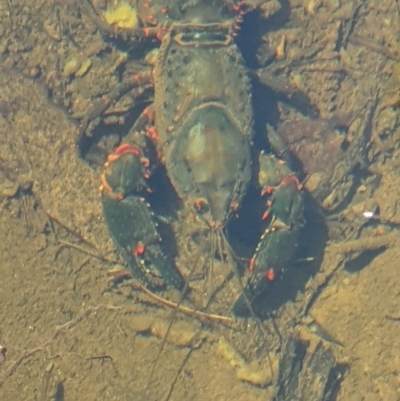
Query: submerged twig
(375, 47)
(70, 230)
(184, 309)
(126, 274)
(96, 254)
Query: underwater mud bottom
(42, 286)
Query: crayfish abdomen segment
(211, 161)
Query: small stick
(86, 251)
(71, 231)
(351, 24)
(184, 309)
(101, 358)
(393, 318)
(126, 274)
(96, 254)
(371, 45)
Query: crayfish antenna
(233, 260)
(174, 313)
(217, 250)
(214, 247)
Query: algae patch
(124, 17)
